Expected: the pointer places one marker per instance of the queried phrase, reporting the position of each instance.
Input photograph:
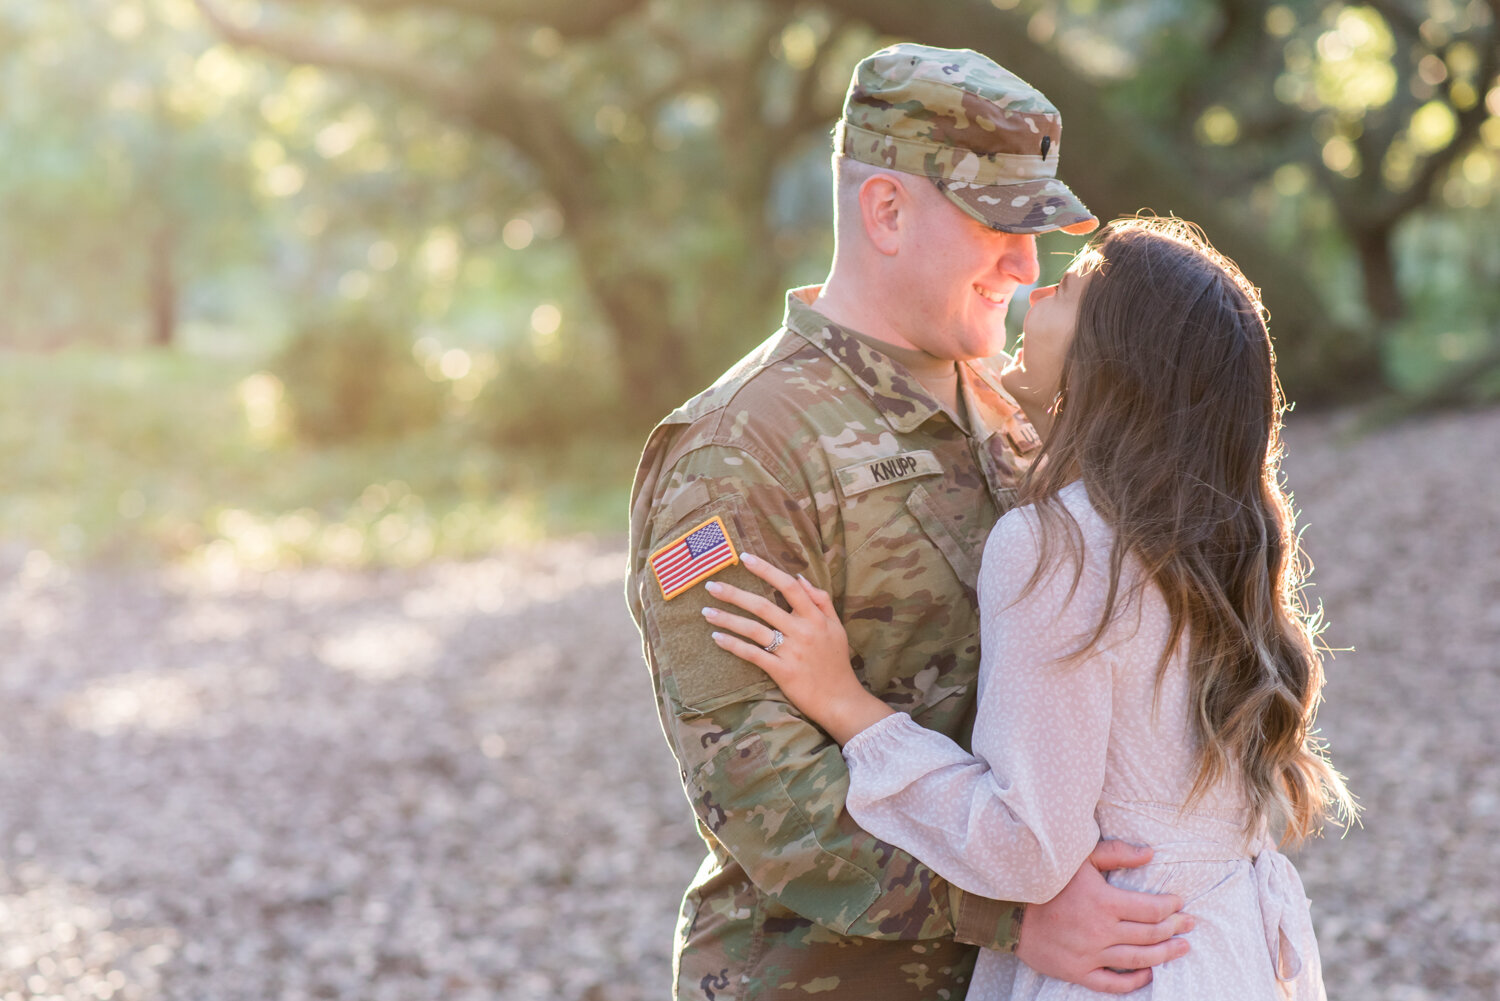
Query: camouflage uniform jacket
(825, 457)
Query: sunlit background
(330, 333)
(369, 281)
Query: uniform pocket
(910, 613)
(952, 538)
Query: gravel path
(449, 782)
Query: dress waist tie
(1283, 913)
(1278, 889)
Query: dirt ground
(449, 782)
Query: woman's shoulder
(1024, 537)
(1024, 524)
(1075, 497)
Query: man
(866, 446)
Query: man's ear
(883, 206)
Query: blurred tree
(352, 377)
(114, 181)
(1345, 126)
(1304, 136)
(156, 179)
(658, 132)
(1301, 135)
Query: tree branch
(807, 111)
(500, 106)
(1465, 134)
(580, 19)
(394, 70)
(1398, 16)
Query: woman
(1148, 670)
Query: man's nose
(1018, 258)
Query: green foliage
(538, 404)
(355, 378)
(125, 456)
(1450, 264)
(123, 129)
(577, 223)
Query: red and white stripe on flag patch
(700, 553)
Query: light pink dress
(1067, 753)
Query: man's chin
(992, 347)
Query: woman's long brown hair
(1170, 413)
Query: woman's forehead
(1086, 261)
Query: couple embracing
(987, 677)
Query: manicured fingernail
(709, 613)
(714, 587)
(718, 637)
(749, 558)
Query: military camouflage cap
(986, 137)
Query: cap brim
(1026, 207)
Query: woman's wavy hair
(1170, 412)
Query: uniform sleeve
(765, 783)
(1016, 818)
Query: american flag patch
(701, 553)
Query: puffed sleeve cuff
(881, 739)
(888, 745)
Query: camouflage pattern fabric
(988, 139)
(825, 457)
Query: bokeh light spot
(1289, 180)
(1281, 20)
(1463, 95)
(1479, 168)
(1340, 156)
(1432, 127)
(546, 318)
(799, 45)
(284, 180)
(1432, 69)
(1218, 126)
(382, 255)
(354, 285)
(518, 234)
(456, 364)
(1354, 71)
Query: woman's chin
(1013, 378)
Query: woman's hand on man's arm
(805, 651)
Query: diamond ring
(776, 639)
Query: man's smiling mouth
(994, 297)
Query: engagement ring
(776, 639)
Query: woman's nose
(1042, 292)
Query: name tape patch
(1022, 436)
(696, 555)
(888, 469)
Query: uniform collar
(900, 397)
(897, 395)
(996, 411)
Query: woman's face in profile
(1035, 374)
